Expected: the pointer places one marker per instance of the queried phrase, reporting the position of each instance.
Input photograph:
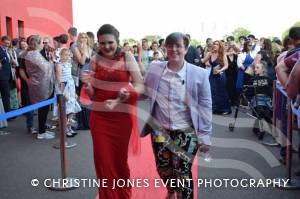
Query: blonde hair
(83, 34)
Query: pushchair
(259, 105)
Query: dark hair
(154, 42)
(251, 36)
(188, 36)
(231, 38)
(155, 53)
(126, 43)
(5, 37)
(109, 29)
(269, 50)
(22, 39)
(90, 35)
(63, 38)
(277, 41)
(15, 41)
(245, 47)
(286, 41)
(208, 39)
(294, 33)
(242, 37)
(56, 38)
(173, 38)
(161, 41)
(144, 40)
(72, 31)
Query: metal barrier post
(292, 182)
(66, 183)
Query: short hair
(277, 40)
(294, 33)
(175, 36)
(206, 41)
(231, 38)
(56, 38)
(126, 43)
(72, 31)
(144, 40)
(15, 41)
(63, 38)
(242, 37)
(161, 41)
(34, 42)
(287, 41)
(154, 42)
(5, 38)
(155, 53)
(251, 36)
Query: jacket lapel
(158, 74)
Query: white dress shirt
(171, 110)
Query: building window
(21, 28)
(9, 26)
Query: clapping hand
(123, 94)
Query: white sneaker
(45, 136)
(50, 133)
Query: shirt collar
(181, 73)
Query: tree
(195, 42)
(130, 41)
(152, 38)
(240, 31)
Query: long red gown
(111, 130)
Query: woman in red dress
(109, 86)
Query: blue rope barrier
(27, 109)
(295, 111)
(280, 88)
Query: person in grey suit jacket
(181, 114)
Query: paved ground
(236, 155)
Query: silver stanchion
(67, 145)
(272, 141)
(292, 183)
(65, 183)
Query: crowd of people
(101, 82)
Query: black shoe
(282, 160)
(261, 135)
(255, 131)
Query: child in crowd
(66, 86)
(260, 91)
(155, 57)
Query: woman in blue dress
(245, 59)
(218, 62)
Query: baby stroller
(260, 106)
